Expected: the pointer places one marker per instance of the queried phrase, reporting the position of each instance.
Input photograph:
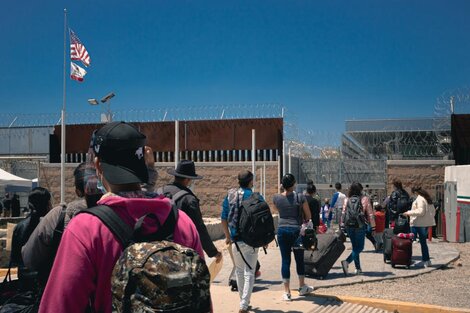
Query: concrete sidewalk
(268, 288)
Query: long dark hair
(423, 193)
(355, 189)
(38, 202)
(311, 189)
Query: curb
(372, 280)
(396, 306)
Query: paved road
(268, 288)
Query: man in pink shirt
(80, 279)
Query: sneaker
(359, 272)
(286, 297)
(243, 311)
(427, 263)
(257, 274)
(345, 265)
(305, 290)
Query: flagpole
(62, 128)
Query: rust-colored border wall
(194, 135)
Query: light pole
(108, 116)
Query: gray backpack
(354, 216)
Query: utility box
(457, 203)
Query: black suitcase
(387, 239)
(319, 262)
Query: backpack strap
(177, 196)
(115, 224)
(180, 194)
(59, 229)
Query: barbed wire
(269, 110)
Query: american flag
(77, 49)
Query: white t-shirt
(340, 201)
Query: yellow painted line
(400, 306)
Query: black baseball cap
(121, 147)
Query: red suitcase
(401, 251)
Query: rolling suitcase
(387, 241)
(401, 251)
(320, 261)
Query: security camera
(107, 97)
(93, 101)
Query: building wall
(427, 173)
(211, 190)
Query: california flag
(76, 72)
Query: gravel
(449, 286)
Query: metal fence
(330, 171)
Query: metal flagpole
(62, 128)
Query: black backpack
(255, 222)
(354, 215)
(403, 202)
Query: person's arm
(334, 199)
(38, 251)
(343, 212)
(306, 209)
(72, 276)
(194, 213)
(152, 172)
(418, 208)
(224, 222)
(369, 212)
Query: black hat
(120, 147)
(244, 177)
(185, 169)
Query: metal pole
(264, 178)
(253, 155)
(283, 157)
(62, 128)
(177, 142)
(290, 161)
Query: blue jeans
(288, 239)
(422, 233)
(357, 237)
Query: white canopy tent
(12, 180)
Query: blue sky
(325, 61)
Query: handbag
(15, 300)
(8, 288)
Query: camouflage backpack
(154, 274)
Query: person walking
(88, 251)
(327, 214)
(421, 218)
(379, 226)
(15, 206)
(293, 211)
(356, 208)
(7, 205)
(39, 203)
(313, 203)
(245, 257)
(399, 201)
(337, 202)
(187, 201)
